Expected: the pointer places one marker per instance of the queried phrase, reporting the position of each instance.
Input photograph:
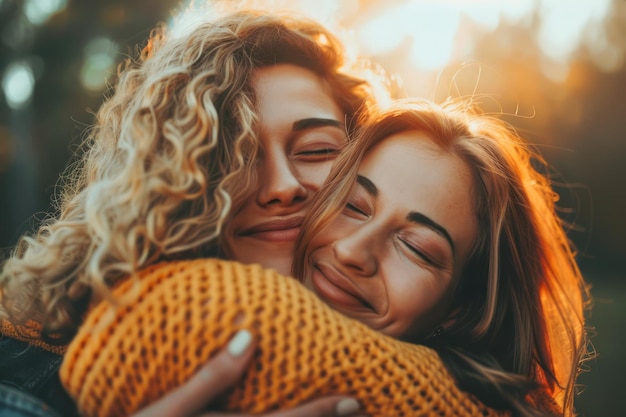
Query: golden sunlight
(440, 31)
(428, 35)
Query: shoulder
(29, 381)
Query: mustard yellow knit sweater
(175, 316)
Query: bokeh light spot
(18, 84)
(39, 11)
(99, 62)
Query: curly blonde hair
(518, 336)
(165, 162)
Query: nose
(355, 252)
(279, 185)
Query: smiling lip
(283, 230)
(336, 289)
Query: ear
(446, 324)
(451, 318)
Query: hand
(223, 371)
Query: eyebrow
(368, 185)
(414, 216)
(313, 122)
(420, 218)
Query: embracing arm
(224, 370)
(178, 315)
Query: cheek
(313, 176)
(419, 302)
(239, 217)
(337, 229)
(325, 237)
(242, 198)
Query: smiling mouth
(333, 289)
(283, 230)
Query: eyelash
(324, 151)
(317, 155)
(355, 209)
(417, 252)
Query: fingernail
(347, 406)
(239, 343)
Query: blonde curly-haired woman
(191, 138)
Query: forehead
(416, 157)
(413, 174)
(287, 90)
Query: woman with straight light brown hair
(486, 249)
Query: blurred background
(555, 68)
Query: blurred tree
(37, 140)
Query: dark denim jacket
(29, 382)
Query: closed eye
(324, 151)
(355, 209)
(418, 252)
(317, 155)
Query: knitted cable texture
(29, 333)
(178, 315)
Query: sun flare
(426, 36)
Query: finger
(208, 383)
(324, 407)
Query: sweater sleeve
(173, 317)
